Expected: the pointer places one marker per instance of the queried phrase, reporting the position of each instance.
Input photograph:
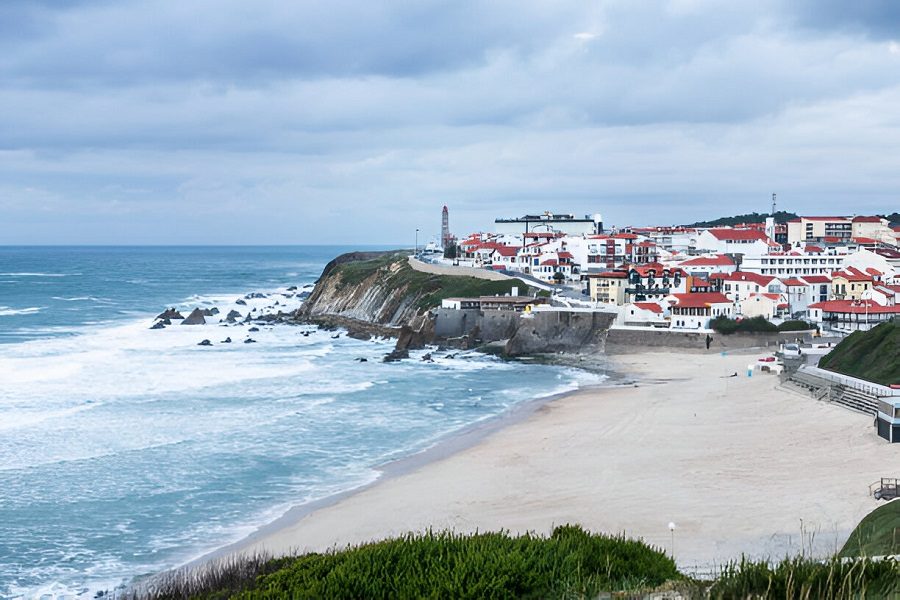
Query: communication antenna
(773, 205)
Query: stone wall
(624, 341)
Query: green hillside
(754, 217)
(878, 534)
(872, 355)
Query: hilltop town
(839, 273)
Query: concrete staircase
(824, 390)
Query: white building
(748, 242)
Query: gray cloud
(306, 122)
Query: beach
(739, 465)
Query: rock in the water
(169, 313)
(362, 360)
(158, 325)
(195, 318)
(249, 341)
(427, 357)
(305, 334)
(335, 336)
(240, 301)
(226, 341)
(293, 288)
(255, 295)
(205, 343)
(253, 329)
(232, 316)
(208, 312)
(396, 355)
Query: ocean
(126, 451)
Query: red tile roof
(809, 248)
(826, 218)
(864, 240)
(739, 234)
(857, 307)
(718, 260)
(651, 306)
(506, 250)
(746, 276)
(700, 300)
(867, 219)
(792, 282)
(816, 279)
(610, 274)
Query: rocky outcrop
(560, 331)
(195, 318)
(169, 313)
(381, 295)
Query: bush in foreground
(571, 563)
(803, 579)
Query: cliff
(378, 293)
(381, 294)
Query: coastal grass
(428, 290)
(570, 563)
(872, 355)
(803, 578)
(878, 534)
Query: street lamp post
(416, 252)
(672, 530)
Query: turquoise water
(125, 450)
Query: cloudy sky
(234, 122)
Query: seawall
(624, 341)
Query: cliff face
(380, 294)
(369, 288)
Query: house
(851, 283)
(654, 282)
(739, 285)
(695, 311)
(765, 305)
(797, 296)
(647, 314)
(708, 264)
(796, 262)
(749, 242)
(846, 316)
(819, 288)
(876, 229)
(608, 287)
(819, 229)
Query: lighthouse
(445, 228)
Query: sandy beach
(739, 466)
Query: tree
(451, 250)
(558, 277)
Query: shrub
(795, 326)
(728, 326)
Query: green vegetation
(571, 563)
(803, 578)
(894, 218)
(871, 355)
(451, 250)
(754, 217)
(878, 534)
(796, 326)
(429, 289)
(727, 326)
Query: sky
(272, 122)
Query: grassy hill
(872, 355)
(878, 534)
(780, 217)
